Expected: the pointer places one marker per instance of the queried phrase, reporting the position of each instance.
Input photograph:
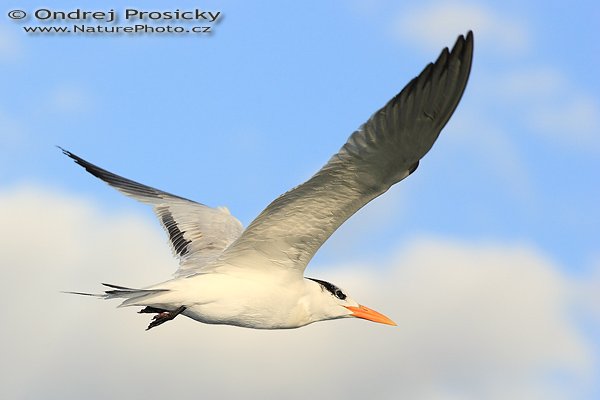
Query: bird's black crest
(331, 288)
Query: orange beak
(372, 315)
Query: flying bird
(254, 277)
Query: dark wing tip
(75, 158)
(462, 49)
(464, 45)
(91, 168)
(413, 168)
(127, 186)
(69, 154)
(463, 53)
(457, 61)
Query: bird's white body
(254, 300)
(254, 277)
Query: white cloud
(430, 26)
(475, 321)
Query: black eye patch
(331, 288)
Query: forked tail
(131, 296)
(138, 297)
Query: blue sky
(278, 87)
(237, 117)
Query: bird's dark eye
(340, 295)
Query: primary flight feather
(255, 277)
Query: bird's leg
(162, 316)
(150, 310)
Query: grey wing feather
(198, 234)
(382, 152)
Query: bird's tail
(131, 296)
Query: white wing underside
(198, 234)
(287, 234)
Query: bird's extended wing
(382, 152)
(197, 233)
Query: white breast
(258, 300)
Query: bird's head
(331, 302)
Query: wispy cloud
(551, 105)
(530, 83)
(475, 321)
(575, 119)
(430, 26)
